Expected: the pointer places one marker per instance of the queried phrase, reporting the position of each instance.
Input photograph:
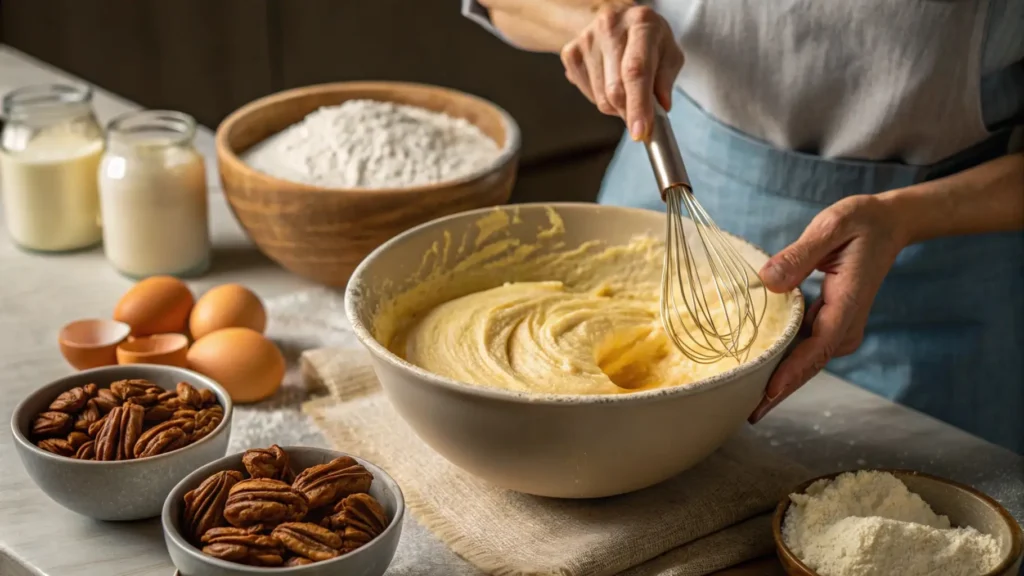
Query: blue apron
(946, 332)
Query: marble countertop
(830, 425)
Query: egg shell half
(159, 304)
(247, 364)
(227, 306)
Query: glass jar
(50, 149)
(153, 196)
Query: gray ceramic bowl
(122, 490)
(567, 446)
(964, 506)
(371, 559)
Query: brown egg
(227, 306)
(159, 304)
(242, 360)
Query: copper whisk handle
(664, 154)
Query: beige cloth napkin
(711, 517)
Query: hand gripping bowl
(567, 446)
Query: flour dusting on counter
(868, 523)
(370, 144)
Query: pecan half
(297, 561)
(106, 400)
(120, 432)
(239, 545)
(358, 519)
(189, 396)
(125, 389)
(206, 421)
(270, 463)
(57, 446)
(208, 397)
(185, 413)
(309, 540)
(86, 451)
(164, 437)
(76, 439)
(263, 501)
(325, 484)
(204, 506)
(52, 423)
(87, 416)
(147, 399)
(73, 400)
(158, 413)
(167, 395)
(95, 427)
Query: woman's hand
(854, 242)
(623, 59)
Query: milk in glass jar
(50, 149)
(153, 196)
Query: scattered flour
(868, 523)
(369, 144)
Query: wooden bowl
(323, 233)
(964, 506)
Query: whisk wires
(708, 288)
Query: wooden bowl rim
(225, 155)
(1016, 538)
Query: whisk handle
(663, 152)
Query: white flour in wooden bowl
(370, 144)
(869, 523)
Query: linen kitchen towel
(713, 516)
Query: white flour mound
(369, 144)
(869, 523)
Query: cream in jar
(51, 147)
(153, 196)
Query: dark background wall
(208, 57)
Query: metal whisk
(712, 301)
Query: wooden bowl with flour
(322, 232)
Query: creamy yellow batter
(583, 321)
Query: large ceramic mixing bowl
(568, 446)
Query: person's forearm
(543, 25)
(986, 198)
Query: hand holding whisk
(712, 301)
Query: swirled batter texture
(584, 321)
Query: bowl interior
(166, 377)
(963, 505)
(94, 333)
(267, 116)
(155, 344)
(384, 489)
(468, 252)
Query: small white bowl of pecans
(288, 510)
(110, 443)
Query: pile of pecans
(129, 420)
(279, 518)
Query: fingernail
(773, 274)
(762, 409)
(637, 131)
